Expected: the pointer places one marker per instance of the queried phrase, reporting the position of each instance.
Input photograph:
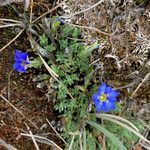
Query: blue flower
(60, 21)
(21, 61)
(105, 98)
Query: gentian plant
(71, 91)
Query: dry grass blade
(26, 4)
(12, 40)
(31, 10)
(60, 4)
(17, 110)
(12, 105)
(117, 118)
(56, 132)
(82, 11)
(129, 129)
(144, 80)
(9, 25)
(33, 139)
(41, 139)
(80, 141)
(48, 68)
(7, 146)
(72, 140)
(144, 145)
(9, 20)
(91, 28)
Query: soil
(23, 94)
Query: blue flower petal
(108, 90)
(102, 88)
(113, 94)
(24, 56)
(99, 107)
(26, 62)
(18, 60)
(95, 99)
(21, 70)
(18, 55)
(105, 107)
(19, 67)
(16, 65)
(111, 99)
(110, 105)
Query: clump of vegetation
(88, 112)
(72, 89)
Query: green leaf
(43, 40)
(118, 107)
(39, 49)
(90, 48)
(36, 63)
(108, 134)
(55, 68)
(76, 32)
(49, 48)
(41, 77)
(71, 78)
(88, 78)
(91, 145)
(63, 43)
(84, 139)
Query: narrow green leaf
(90, 48)
(108, 134)
(72, 141)
(41, 77)
(84, 139)
(36, 63)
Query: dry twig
(32, 137)
(143, 81)
(56, 132)
(91, 28)
(43, 140)
(17, 110)
(51, 10)
(12, 40)
(82, 11)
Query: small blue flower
(21, 61)
(61, 21)
(105, 98)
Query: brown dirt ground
(23, 94)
